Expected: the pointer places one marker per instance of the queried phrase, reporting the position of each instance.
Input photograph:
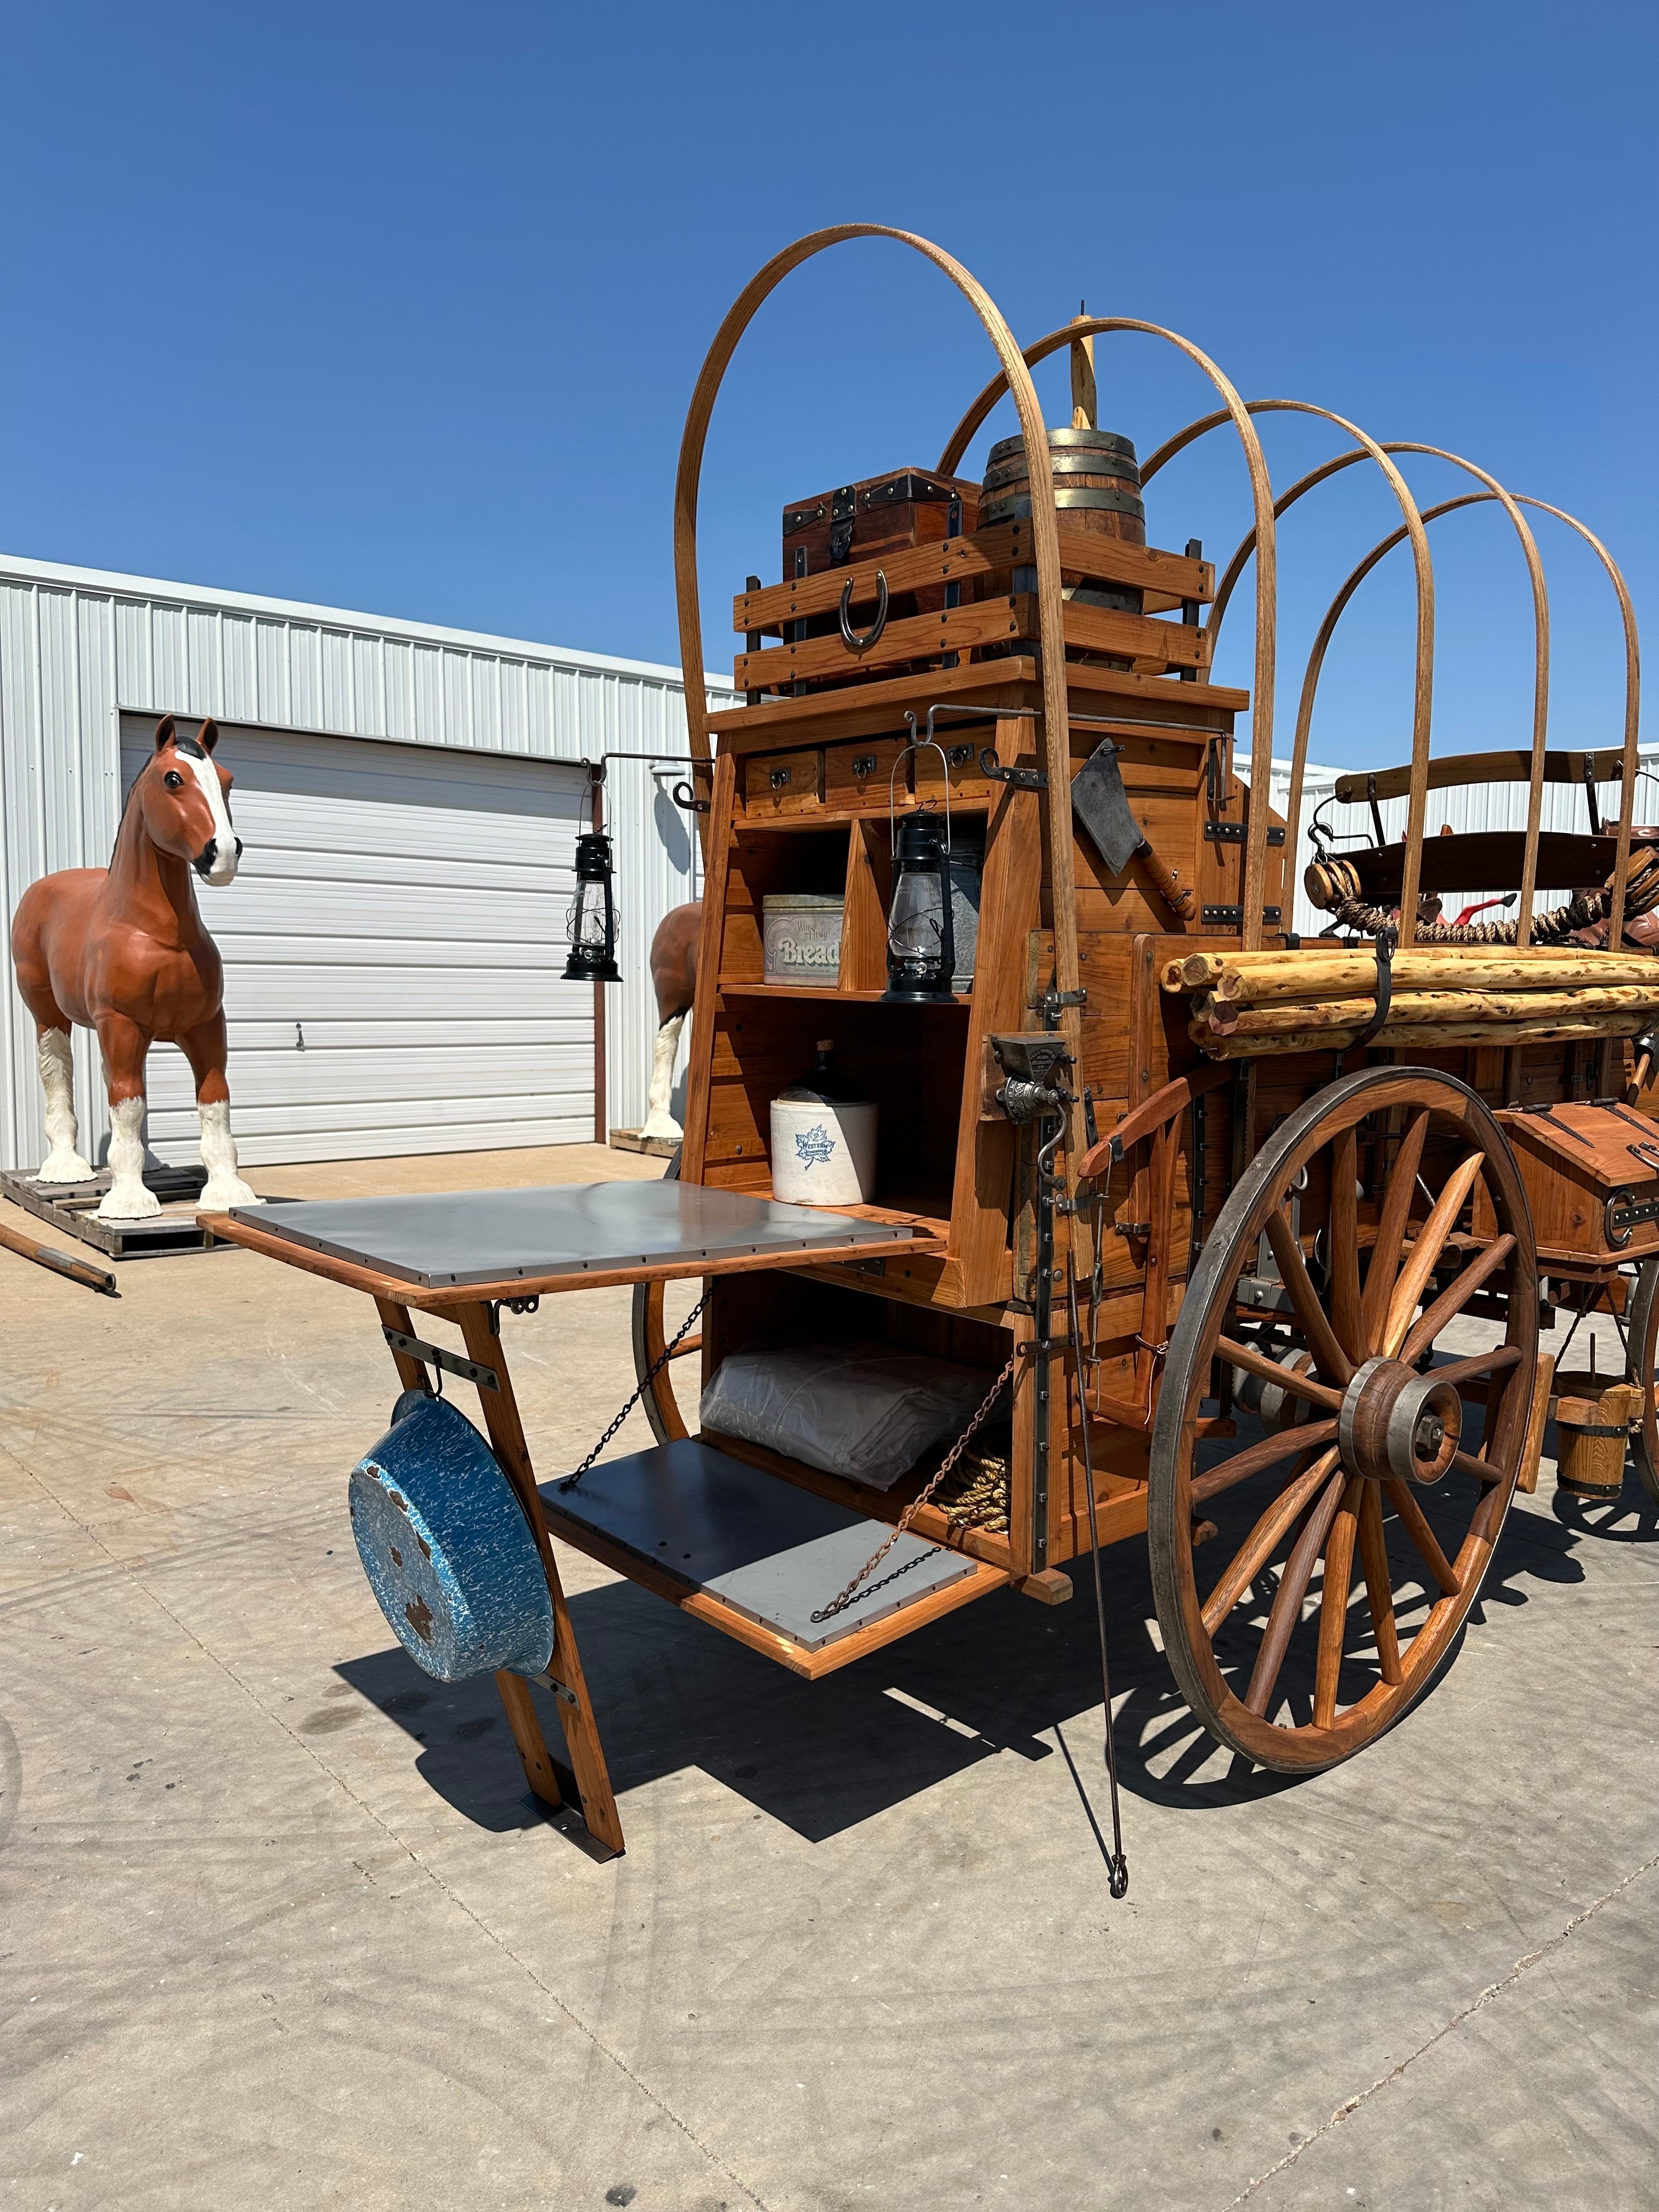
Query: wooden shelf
(835, 817)
(828, 992)
(930, 1216)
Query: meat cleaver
(1102, 806)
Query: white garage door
(392, 945)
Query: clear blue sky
(399, 308)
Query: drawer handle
(852, 639)
(780, 778)
(959, 755)
(863, 764)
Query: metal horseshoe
(850, 637)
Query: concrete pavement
(280, 1924)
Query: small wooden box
(960, 772)
(783, 783)
(856, 777)
(1592, 1179)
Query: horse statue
(674, 980)
(122, 951)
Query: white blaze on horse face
(223, 870)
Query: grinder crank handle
(1178, 898)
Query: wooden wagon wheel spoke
(1642, 1362)
(1379, 1583)
(1391, 1229)
(1285, 1378)
(1453, 1299)
(1345, 1317)
(1328, 1355)
(1306, 1436)
(651, 1337)
(1263, 1539)
(1464, 1463)
(1430, 1242)
(1501, 1358)
(1416, 1526)
(1383, 1432)
(1333, 1602)
(1286, 1608)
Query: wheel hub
(1395, 1423)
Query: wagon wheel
(657, 1401)
(1373, 1460)
(1644, 1371)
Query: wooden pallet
(70, 1208)
(631, 1140)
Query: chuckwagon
(1176, 1223)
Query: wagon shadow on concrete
(821, 1758)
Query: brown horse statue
(122, 951)
(674, 979)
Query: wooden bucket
(1593, 1417)
(1095, 478)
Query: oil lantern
(591, 925)
(921, 949)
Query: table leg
(507, 1437)
(521, 1717)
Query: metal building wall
(77, 645)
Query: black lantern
(922, 944)
(590, 923)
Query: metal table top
(436, 1240)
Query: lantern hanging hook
(918, 745)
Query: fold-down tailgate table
(463, 1253)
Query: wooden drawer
(783, 783)
(966, 778)
(855, 776)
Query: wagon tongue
(1102, 806)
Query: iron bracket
(434, 1355)
(1232, 917)
(565, 1696)
(1020, 779)
(1050, 1006)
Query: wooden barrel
(1095, 477)
(1593, 1417)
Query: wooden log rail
(1312, 1001)
(1267, 978)
(1420, 1036)
(1227, 1017)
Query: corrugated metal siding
(75, 644)
(392, 946)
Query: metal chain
(646, 1381)
(840, 1604)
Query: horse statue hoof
(64, 1167)
(128, 1202)
(218, 1197)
